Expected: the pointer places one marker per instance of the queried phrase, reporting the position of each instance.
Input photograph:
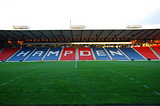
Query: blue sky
(91, 13)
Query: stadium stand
(1, 49)
(132, 54)
(37, 54)
(68, 54)
(85, 54)
(7, 52)
(20, 55)
(156, 48)
(146, 52)
(52, 54)
(100, 54)
(116, 54)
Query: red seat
(156, 48)
(85, 54)
(146, 52)
(7, 52)
(68, 54)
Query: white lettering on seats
(38, 52)
(51, 52)
(68, 52)
(83, 53)
(24, 54)
(100, 53)
(113, 52)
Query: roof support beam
(135, 35)
(16, 35)
(43, 34)
(24, 34)
(150, 34)
(90, 35)
(109, 34)
(34, 35)
(100, 34)
(143, 34)
(8, 35)
(156, 36)
(53, 34)
(71, 34)
(128, 34)
(119, 34)
(62, 34)
(81, 34)
(4, 37)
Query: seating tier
(101, 54)
(156, 48)
(116, 54)
(132, 54)
(7, 52)
(146, 52)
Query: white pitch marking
(126, 76)
(131, 78)
(145, 86)
(137, 82)
(12, 80)
(4, 83)
(156, 92)
(76, 64)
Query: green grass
(92, 82)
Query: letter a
(38, 52)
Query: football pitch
(80, 82)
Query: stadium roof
(82, 35)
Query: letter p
(68, 52)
